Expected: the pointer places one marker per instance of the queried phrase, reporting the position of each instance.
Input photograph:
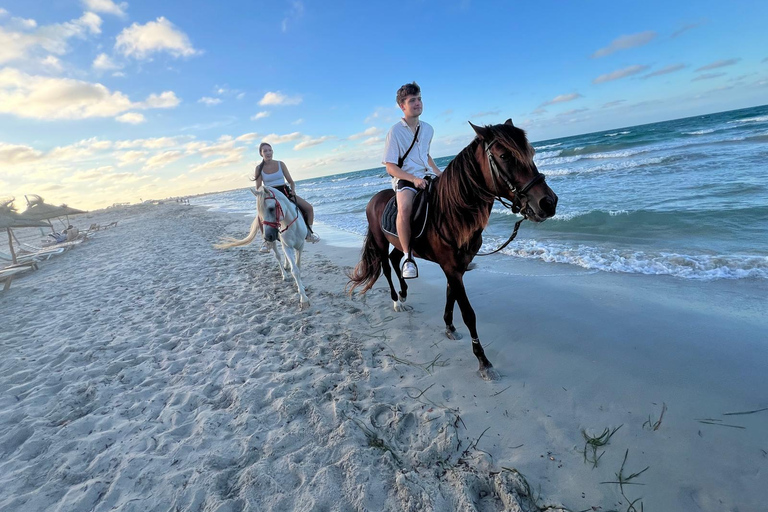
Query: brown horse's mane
(463, 198)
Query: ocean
(686, 198)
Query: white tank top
(274, 179)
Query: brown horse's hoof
(452, 334)
(488, 373)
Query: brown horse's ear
(481, 131)
(509, 122)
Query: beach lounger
(7, 274)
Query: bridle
(520, 203)
(279, 215)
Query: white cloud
(39, 97)
(562, 98)
(296, 11)
(373, 141)
(166, 99)
(209, 101)
(486, 113)
(140, 41)
(621, 73)
(131, 118)
(274, 138)
(278, 98)
(130, 157)
(162, 159)
(665, 70)
(248, 137)
(370, 132)
(103, 61)
(298, 121)
(308, 143)
(230, 159)
(625, 42)
(260, 115)
(707, 76)
(718, 64)
(106, 6)
(19, 43)
(15, 154)
(52, 63)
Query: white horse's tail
(226, 243)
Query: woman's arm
(288, 178)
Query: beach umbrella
(38, 209)
(10, 219)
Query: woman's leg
(306, 208)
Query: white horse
(282, 220)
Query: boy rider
(408, 174)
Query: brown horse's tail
(367, 271)
(226, 243)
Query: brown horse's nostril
(548, 205)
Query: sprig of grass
(623, 480)
(654, 425)
(594, 442)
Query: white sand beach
(146, 370)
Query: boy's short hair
(407, 90)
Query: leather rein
(279, 215)
(519, 203)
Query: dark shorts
(405, 184)
(285, 190)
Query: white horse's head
(272, 205)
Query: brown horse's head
(510, 170)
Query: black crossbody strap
(401, 160)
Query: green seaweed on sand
(654, 425)
(623, 480)
(592, 443)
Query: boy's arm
(434, 167)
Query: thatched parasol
(10, 219)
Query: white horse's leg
(279, 261)
(296, 271)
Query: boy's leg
(404, 208)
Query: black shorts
(285, 190)
(405, 184)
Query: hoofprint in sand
(149, 371)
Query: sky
(105, 102)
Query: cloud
(718, 64)
(209, 101)
(166, 99)
(625, 42)
(106, 7)
(563, 98)
(572, 112)
(104, 62)
(15, 154)
(274, 138)
(140, 41)
(373, 141)
(486, 113)
(539, 111)
(312, 142)
(366, 133)
(36, 97)
(52, 63)
(130, 157)
(260, 115)
(248, 137)
(278, 98)
(298, 121)
(613, 103)
(296, 11)
(19, 44)
(707, 76)
(131, 118)
(621, 73)
(383, 113)
(154, 143)
(683, 29)
(162, 159)
(233, 158)
(665, 71)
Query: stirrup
(402, 269)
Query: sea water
(687, 198)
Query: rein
(278, 214)
(517, 204)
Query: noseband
(520, 202)
(279, 215)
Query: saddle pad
(418, 219)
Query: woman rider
(274, 173)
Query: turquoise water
(687, 198)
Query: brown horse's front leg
(456, 285)
(450, 302)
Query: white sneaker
(410, 271)
(312, 238)
(264, 246)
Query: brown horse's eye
(504, 156)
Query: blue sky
(104, 101)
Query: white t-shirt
(399, 139)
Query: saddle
(420, 214)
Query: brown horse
(498, 164)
